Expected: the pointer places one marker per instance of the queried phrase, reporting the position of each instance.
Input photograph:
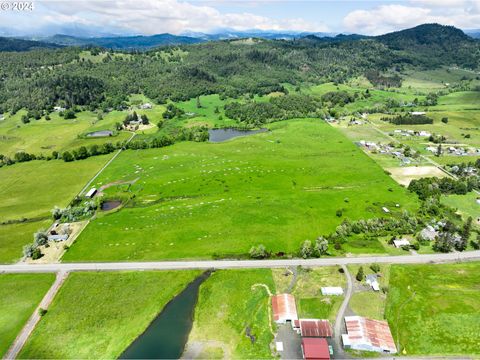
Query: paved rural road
(35, 318)
(337, 332)
(240, 264)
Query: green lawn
(321, 307)
(14, 236)
(20, 294)
(437, 315)
(227, 305)
(201, 200)
(97, 315)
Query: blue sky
(100, 17)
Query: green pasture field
(434, 80)
(31, 189)
(43, 137)
(228, 303)
(14, 236)
(97, 315)
(20, 294)
(437, 315)
(202, 200)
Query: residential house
(372, 280)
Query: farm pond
(219, 135)
(167, 334)
(110, 205)
(101, 133)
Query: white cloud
(386, 18)
(152, 17)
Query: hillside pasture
(205, 200)
(58, 134)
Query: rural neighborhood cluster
(253, 196)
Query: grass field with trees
(278, 188)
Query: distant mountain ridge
(426, 40)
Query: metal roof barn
(315, 349)
(315, 328)
(284, 308)
(368, 335)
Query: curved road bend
(240, 264)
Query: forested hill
(12, 44)
(437, 42)
(124, 42)
(41, 79)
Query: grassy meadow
(97, 315)
(20, 294)
(228, 304)
(437, 315)
(201, 200)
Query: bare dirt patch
(55, 250)
(403, 175)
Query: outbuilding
(401, 242)
(332, 290)
(372, 280)
(314, 328)
(91, 193)
(368, 335)
(315, 349)
(284, 308)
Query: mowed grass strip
(20, 294)
(229, 302)
(437, 315)
(97, 315)
(201, 200)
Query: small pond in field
(110, 204)
(101, 133)
(167, 335)
(219, 135)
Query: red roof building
(368, 335)
(315, 328)
(315, 349)
(284, 308)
